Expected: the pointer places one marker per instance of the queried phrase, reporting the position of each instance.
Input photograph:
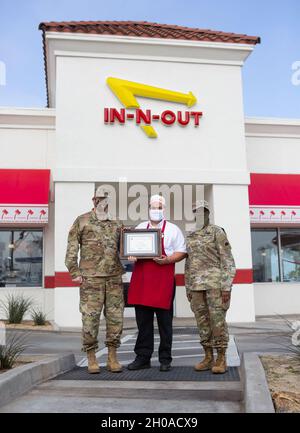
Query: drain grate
(153, 374)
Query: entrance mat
(153, 374)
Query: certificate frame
(132, 242)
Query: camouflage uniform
(101, 270)
(209, 270)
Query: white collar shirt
(173, 237)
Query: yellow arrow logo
(126, 91)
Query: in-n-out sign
(126, 92)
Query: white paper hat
(156, 198)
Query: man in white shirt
(152, 289)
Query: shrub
(10, 352)
(292, 337)
(15, 307)
(38, 317)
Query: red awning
(24, 186)
(274, 198)
(274, 189)
(24, 195)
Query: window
(276, 255)
(290, 254)
(265, 255)
(21, 258)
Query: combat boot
(93, 366)
(207, 362)
(220, 366)
(112, 363)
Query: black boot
(139, 364)
(165, 367)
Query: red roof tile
(147, 30)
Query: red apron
(152, 284)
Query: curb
(257, 397)
(55, 326)
(19, 380)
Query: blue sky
(267, 74)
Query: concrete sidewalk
(267, 334)
(86, 393)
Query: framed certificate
(140, 243)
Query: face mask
(156, 214)
(102, 209)
(202, 218)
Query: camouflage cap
(101, 192)
(200, 204)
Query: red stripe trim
(179, 278)
(63, 279)
(49, 282)
(242, 276)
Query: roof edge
(90, 27)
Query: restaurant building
(137, 106)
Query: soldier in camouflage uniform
(209, 272)
(100, 277)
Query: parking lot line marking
(99, 353)
(174, 342)
(102, 364)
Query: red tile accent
(179, 279)
(49, 282)
(242, 276)
(63, 279)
